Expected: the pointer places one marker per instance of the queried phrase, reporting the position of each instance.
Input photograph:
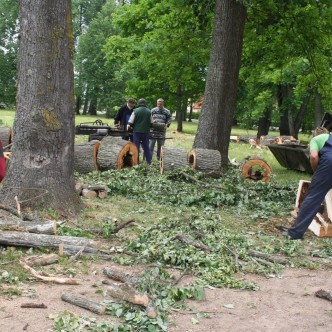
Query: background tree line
(161, 49)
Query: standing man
(123, 115)
(140, 120)
(321, 183)
(161, 118)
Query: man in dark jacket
(122, 116)
(140, 120)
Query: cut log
(50, 241)
(57, 280)
(116, 153)
(172, 158)
(256, 169)
(85, 157)
(205, 160)
(5, 135)
(120, 276)
(83, 303)
(47, 227)
(127, 293)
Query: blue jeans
(143, 138)
(321, 183)
(160, 143)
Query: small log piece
(83, 303)
(205, 160)
(116, 153)
(120, 276)
(128, 293)
(172, 158)
(85, 157)
(47, 227)
(42, 240)
(89, 193)
(324, 295)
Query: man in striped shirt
(161, 119)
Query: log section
(116, 153)
(41, 240)
(172, 158)
(256, 169)
(205, 160)
(85, 157)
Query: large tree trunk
(215, 123)
(41, 168)
(264, 124)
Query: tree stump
(172, 158)
(85, 157)
(256, 169)
(116, 153)
(205, 160)
(5, 135)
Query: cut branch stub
(85, 157)
(205, 160)
(116, 153)
(256, 169)
(172, 158)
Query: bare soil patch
(284, 303)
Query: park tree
(40, 174)
(8, 51)
(219, 104)
(163, 51)
(285, 74)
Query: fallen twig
(34, 305)
(195, 244)
(267, 257)
(57, 280)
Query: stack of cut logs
(91, 191)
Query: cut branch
(121, 276)
(195, 244)
(57, 280)
(84, 303)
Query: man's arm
(168, 119)
(314, 159)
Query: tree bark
(40, 173)
(85, 157)
(172, 158)
(206, 161)
(214, 127)
(116, 153)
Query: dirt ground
(284, 303)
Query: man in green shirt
(321, 183)
(140, 120)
